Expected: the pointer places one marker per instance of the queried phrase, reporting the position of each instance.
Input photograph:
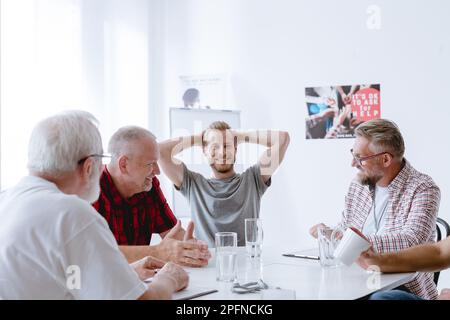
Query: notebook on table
(191, 292)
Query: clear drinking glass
(226, 256)
(328, 240)
(253, 237)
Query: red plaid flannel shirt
(133, 220)
(410, 218)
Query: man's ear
(87, 168)
(206, 155)
(123, 164)
(387, 160)
(204, 147)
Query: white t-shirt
(376, 220)
(46, 235)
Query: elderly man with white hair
(53, 244)
(134, 205)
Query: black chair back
(442, 228)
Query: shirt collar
(109, 188)
(107, 183)
(401, 177)
(34, 180)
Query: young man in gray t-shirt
(223, 202)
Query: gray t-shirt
(223, 205)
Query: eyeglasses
(359, 160)
(105, 158)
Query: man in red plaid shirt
(389, 201)
(134, 206)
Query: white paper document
(190, 292)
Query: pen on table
(148, 280)
(302, 256)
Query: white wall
(273, 49)
(72, 54)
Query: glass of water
(328, 239)
(253, 237)
(226, 256)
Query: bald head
(128, 141)
(135, 153)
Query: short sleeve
(104, 272)
(255, 172)
(186, 184)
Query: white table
(306, 277)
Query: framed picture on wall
(333, 112)
(204, 91)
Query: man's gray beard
(369, 181)
(366, 181)
(93, 192)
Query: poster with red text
(334, 112)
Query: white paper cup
(353, 243)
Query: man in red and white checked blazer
(389, 201)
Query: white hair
(57, 143)
(119, 143)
